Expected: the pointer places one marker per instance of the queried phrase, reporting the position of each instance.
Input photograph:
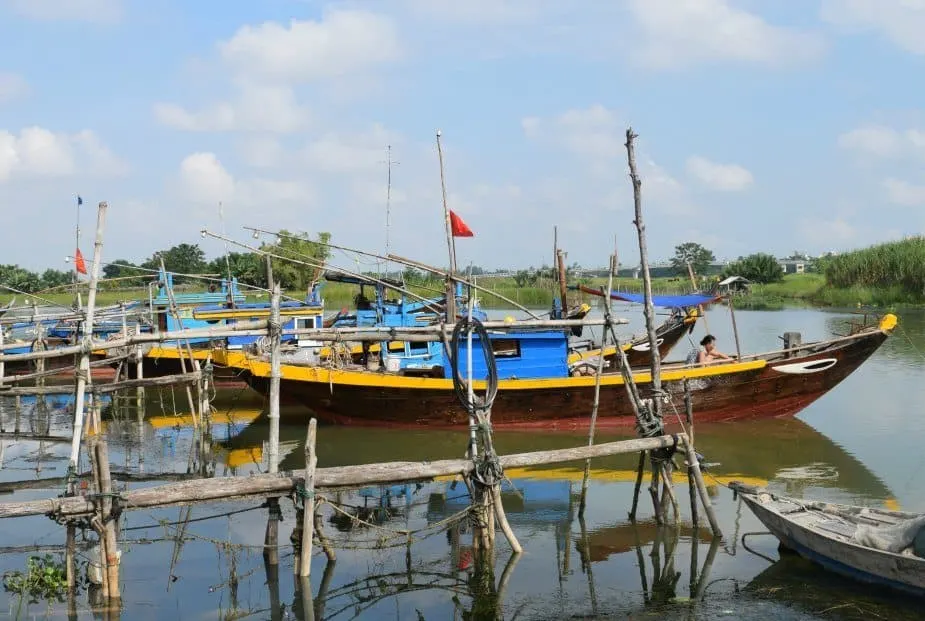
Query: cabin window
(417, 347)
(505, 348)
(304, 323)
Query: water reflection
(210, 561)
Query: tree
(297, 276)
(693, 253)
(55, 278)
(249, 268)
(760, 267)
(180, 259)
(19, 278)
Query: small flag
(80, 201)
(458, 227)
(79, 264)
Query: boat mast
(388, 206)
(451, 245)
(221, 217)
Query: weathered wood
(308, 512)
(648, 308)
(640, 471)
(275, 331)
(205, 490)
(164, 380)
(83, 376)
(502, 521)
(735, 329)
(701, 486)
(111, 557)
(450, 243)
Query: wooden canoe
(863, 543)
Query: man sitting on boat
(709, 353)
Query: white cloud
(478, 12)
(342, 42)
(900, 21)
(882, 141)
(39, 152)
(260, 108)
(204, 180)
(12, 86)
(826, 231)
(102, 11)
(593, 132)
(349, 153)
(722, 177)
(678, 33)
(904, 193)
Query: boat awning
(357, 280)
(665, 301)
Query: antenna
(221, 217)
(388, 204)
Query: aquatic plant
(45, 579)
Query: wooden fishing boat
(542, 393)
(864, 543)
(638, 351)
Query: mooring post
(308, 501)
(83, 373)
(694, 466)
(108, 520)
(274, 331)
(640, 472)
(597, 377)
(735, 330)
(691, 485)
(2, 363)
(39, 345)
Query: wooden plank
(227, 488)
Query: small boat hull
(851, 560)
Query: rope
(461, 386)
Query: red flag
(79, 264)
(458, 227)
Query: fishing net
(909, 534)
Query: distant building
(793, 266)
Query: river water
(859, 444)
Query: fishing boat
(219, 306)
(867, 544)
(536, 387)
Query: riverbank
(814, 290)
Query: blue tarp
(666, 301)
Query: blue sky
(763, 126)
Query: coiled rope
(487, 468)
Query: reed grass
(894, 268)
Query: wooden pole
(735, 330)
(308, 512)
(83, 375)
(703, 315)
(206, 490)
(597, 381)
(563, 287)
(275, 374)
(175, 311)
(694, 466)
(111, 547)
(640, 471)
(692, 487)
(451, 245)
(649, 309)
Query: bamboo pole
(649, 309)
(164, 380)
(83, 377)
(692, 486)
(111, 547)
(308, 511)
(694, 466)
(450, 243)
(597, 380)
(703, 314)
(563, 288)
(275, 330)
(205, 490)
(735, 329)
(175, 311)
